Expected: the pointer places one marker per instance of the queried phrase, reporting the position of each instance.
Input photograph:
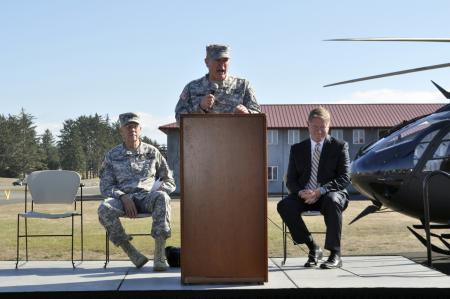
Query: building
(358, 124)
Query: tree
(70, 147)
(50, 151)
(21, 151)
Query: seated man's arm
(292, 174)
(108, 182)
(164, 174)
(342, 179)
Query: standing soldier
(217, 92)
(135, 178)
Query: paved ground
(358, 272)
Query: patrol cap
(129, 117)
(215, 51)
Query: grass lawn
(383, 233)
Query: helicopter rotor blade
(419, 69)
(392, 39)
(443, 91)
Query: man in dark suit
(317, 176)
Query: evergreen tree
(22, 151)
(50, 151)
(70, 147)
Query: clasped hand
(309, 196)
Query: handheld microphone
(214, 87)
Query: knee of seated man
(281, 206)
(102, 209)
(162, 195)
(333, 199)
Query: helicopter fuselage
(392, 170)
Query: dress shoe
(334, 261)
(313, 257)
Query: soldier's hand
(129, 206)
(207, 102)
(241, 109)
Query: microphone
(213, 88)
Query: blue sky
(61, 59)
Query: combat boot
(159, 260)
(137, 258)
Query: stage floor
(357, 272)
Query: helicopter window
(430, 136)
(442, 151)
(422, 146)
(441, 157)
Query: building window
(293, 136)
(337, 133)
(272, 172)
(272, 136)
(358, 136)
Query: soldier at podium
(217, 92)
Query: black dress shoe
(334, 261)
(313, 257)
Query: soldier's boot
(159, 260)
(137, 258)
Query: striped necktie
(312, 184)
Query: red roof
(342, 115)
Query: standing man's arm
(250, 99)
(164, 174)
(185, 104)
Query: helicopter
(412, 157)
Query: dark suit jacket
(334, 166)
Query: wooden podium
(223, 198)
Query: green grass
(383, 233)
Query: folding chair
(51, 187)
(285, 229)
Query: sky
(62, 59)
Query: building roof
(342, 115)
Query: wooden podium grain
(223, 198)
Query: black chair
(285, 230)
(51, 187)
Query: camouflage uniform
(231, 92)
(134, 173)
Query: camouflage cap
(217, 51)
(129, 117)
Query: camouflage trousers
(156, 203)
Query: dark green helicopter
(408, 169)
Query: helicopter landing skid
(442, 237)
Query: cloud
(150, 124)
(394, 96)
(55, 128)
